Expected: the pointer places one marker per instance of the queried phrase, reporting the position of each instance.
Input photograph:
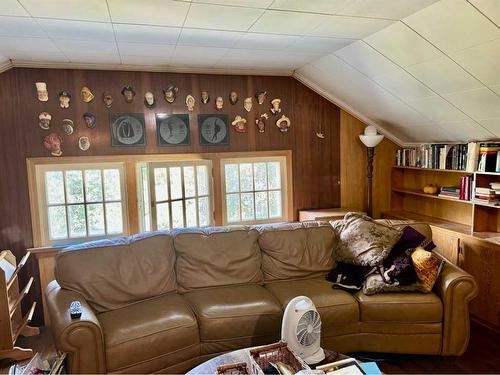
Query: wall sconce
(370, 139)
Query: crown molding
(151, 68)
(6, 66)
(346, 107)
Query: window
(78, 203)
(179, 194)
(254, 190)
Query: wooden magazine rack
(12, 323)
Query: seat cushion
(336, 307)
(163, 329)
(400, 307)
(234, 312)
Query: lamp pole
(370, 154)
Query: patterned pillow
(427, 265)
(362, 241)
(376, 283)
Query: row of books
(489, 195)
(462, 192)
(470, 157)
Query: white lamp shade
(371, 138)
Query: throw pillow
(427, 265)
(347, 276)
(375, 283)
(363, 241)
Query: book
(488, 157)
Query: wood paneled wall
(316, 162)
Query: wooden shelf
(488, 173)
(441, 223)
(485, 204)
(435, 170)
(432, 196)
(493, 237)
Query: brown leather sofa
(164, 302)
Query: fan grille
(309, 328)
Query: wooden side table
(325, 214)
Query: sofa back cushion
(111, 274)
(296, 250)
(420, 227)
(216, 256)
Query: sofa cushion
(234, 312)
(114, 273)
(217, 256)
(336, 307)
(296, 250)
(400, 307)
(163, 329)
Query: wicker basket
(279, 352)
(233, 369)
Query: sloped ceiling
(420, 70)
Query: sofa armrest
(81, 338)
(456, 288)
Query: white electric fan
(301, 329)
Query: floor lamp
(370, 139)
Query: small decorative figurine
(89, 120)
(233, 97)
(261, 96)
(86, 94)
(190, 100)
(64, 99)
(107, 99)
(283, 123)
(128, 93)
(41, 90)
(247, 104)
(44, 120)
(205, 97)
(149, 100)
(170, 93)
(84, 143)
(320, 133)
(239, 124)
(53, 142)
(219, 103)
(261, 122)
(67, 126)
(275, 109)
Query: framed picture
(127, 129)
(213, 129)
(172, 130)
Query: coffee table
(241, 355)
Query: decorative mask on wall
(149, 100)
(205, 97)
(89, 119)
(170, 93)
(239, 124)
(283, 123)
(128, 93)
(86, 94)
(261, 96)
(67, 126)
(248, 103)
(190, 101)
(261, 122)
(64, 99)
(84, 143)
(275, 109)
(219, 103)
(107, 99)
(44, 120)
(53, 142)
(233, 97)
(41, 90)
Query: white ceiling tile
(453, 25)
(241, 3)
(402, 45)
(286, 58)
(208, 16)
(39, 57)
(146, 34)
(391, 9)
(150, 12)
(11, 47)
(20, 27)
(88, 10)
(496, 88)
(74, 46)
(12, 8)
(479, 103)
(77, 29)
(403, 85)
(292, 23)
(204, 54)
(148, 61)
(318, 44)
(467, 131)
(482, 61)
(349, 27)
(444, 76)
(365, 59)
(437, 109)
(317, 6)
(94, 58)
(265, 41)
(491, 8)
(492, 124)
(145, 49)
(209, 38)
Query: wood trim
(6, 66)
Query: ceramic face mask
(128, 93)
(84, 143)
(261, 96)
(89, 119)
(67, 126)
(190, 100)
(41, 90)
(107, 99)
(170, 93)
(275, 106)
(64, 99)
(44, 120)
(233, 97)
(219, 103)
(149, 100)
(205, 98)
(53, 142)
(247, 104)
(86, 94)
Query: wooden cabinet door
(447, 244)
